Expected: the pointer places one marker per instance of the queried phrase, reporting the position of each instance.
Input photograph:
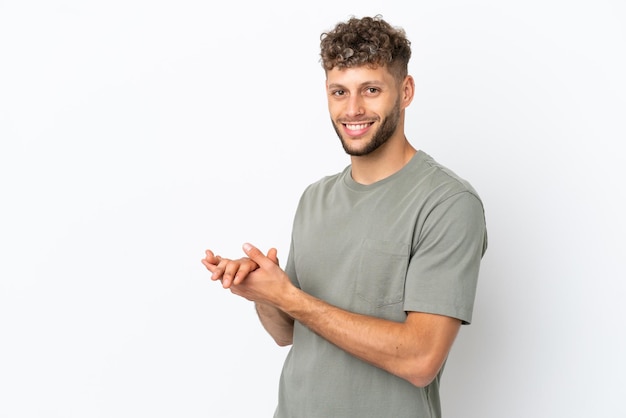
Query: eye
(372, 91)
(338, 92)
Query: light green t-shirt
(410, 242)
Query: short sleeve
(443, 270)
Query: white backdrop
(134, 134)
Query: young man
(384, 256)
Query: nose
(355, 106)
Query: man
(384, 256)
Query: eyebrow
(363, 84)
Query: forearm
(413, 350)
(359, 335)
(277, 323)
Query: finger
(243, 272)
(210, 261)
(218, 271)
(229, 272)
(272, 254)
(210, 257)
(208, 265)
(256, 255)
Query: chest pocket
(382, 272)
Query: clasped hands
(256, 277)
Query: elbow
(283, 342)
(421, 381)
(421, 374)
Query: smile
(357, 127)
(356, 130)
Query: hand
(229, 271)
(267, 282)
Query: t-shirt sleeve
(443, 270)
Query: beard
(386, 129)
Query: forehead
(357, 76)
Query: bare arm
(276, 322)
(414, 350)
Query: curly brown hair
(367, 41)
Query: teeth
(357, 127)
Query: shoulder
(438, 181)
(452, 203)
(324, 184)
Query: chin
(357, 151)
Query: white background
(134, 134)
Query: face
(365, 106)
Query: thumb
(272, 254)
(255, 254)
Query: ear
(408, 91)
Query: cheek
(334, 110)
(332, 103)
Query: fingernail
(247, 247)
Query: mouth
(357, 129)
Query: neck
(385, 161)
